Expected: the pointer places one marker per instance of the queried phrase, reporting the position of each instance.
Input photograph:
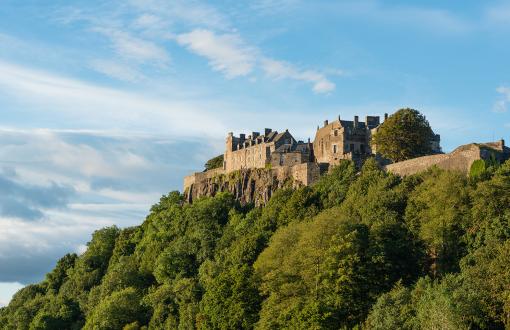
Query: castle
(335, 141)
(288, 158)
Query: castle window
(336, 132)
(352, 147)
(334, 148)
(362, 148)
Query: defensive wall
(460, 159)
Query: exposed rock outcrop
(254, 185)
(248, 186)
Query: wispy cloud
(134, 48)
(229, 54)
(284, 70)
(226, 53)
(140, 31)
(97, 107)
(116, 70)
(501, 105)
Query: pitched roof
(271, 136)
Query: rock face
(248, 186)
(254, 185)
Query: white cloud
(226, 53)
(134, 48)
(501, 105)
(7, 290)
(116, 70)
(229, 54)
(115, 179)
(281, 70)
(99, 107)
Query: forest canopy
(358, 249)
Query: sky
(107, 105)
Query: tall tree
(405, 134)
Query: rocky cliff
(250, 185)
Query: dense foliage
(213, 163)
(357, 250)
(404, 135)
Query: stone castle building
(334, 141)
(344, 139)
(303, 162)
(260, 151)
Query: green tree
(438, 213)
(393, 310)
(59, 275)
(216, 162)
(332, 187)
(405, 134)
(117, 310)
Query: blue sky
(106, 105)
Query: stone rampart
(460, 159)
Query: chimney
(255, 135)
(317, 127)
(356, 119)
(267, 131)
(308, 140)
(338, 118)
(242, 137)
(502, 143)
(326, 123)
(385, 116)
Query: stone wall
(288, 158)
(460, 159)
